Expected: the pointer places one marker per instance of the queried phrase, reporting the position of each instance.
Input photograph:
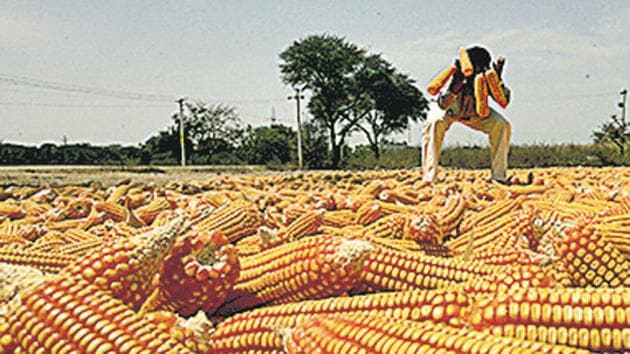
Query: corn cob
(452, 215)
(440, 80)
(338, 218)
(501, 256)
(591, 259)
(15, 278)
(390, 226)
(31, 232)
(424, 229)
(484, 236)
(492, 213)
(74, 316)
(305, 225)
(589, 318)
(12, 211)
(251, 245)
(369, 213)
(310, 268)
(126, 267)
(510, 278)
(256, 327)
(76, 209)
(496, 88)
(387, 269)
(337, 334)
(36, 209)
(194, 333)
(44, 261)
(465, 63)
(12, 240)
(112, 211)
(197, 275)
(147, 213)
(118, 193)
(235, 221)
(80, 249)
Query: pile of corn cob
(319, 262)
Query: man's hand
(458, 80)
(498, 65)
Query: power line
(57, 86)
(569, 98)
(28, 82)
(90, 105)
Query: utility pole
(181, 130)
(622, 105)
(297, 99)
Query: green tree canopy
(350, 88)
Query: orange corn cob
(501, 256)
(338, 218)
(45, 261)
(484, 236)
(235, 221)
(250, 245)
(591, 259)
(369, 213)
(256, 327)
(113, 211)
(390, 226)
(310, 268)
(77, 236)
(337, 334)
(305, 225)
(74, 316)
(81, 248)
(197, 275)
(440, 80)
(118, 193)
(452, 215)
(589, 318)
(496, 88)
(424, 229)
(12, 240)
(31, 232)
(387, 269)
(12, 211)
(126, 267)
(510, 278)
(486, 216)
(15, 278)
(193, 333)
(147, 213)
(465, 63)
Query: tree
(325, 66)
(613, 131)
(275, 143)
(163, 148)
(210, 129)
(351, 89)
(390, 100)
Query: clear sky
(567, 61)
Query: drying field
(318, 262)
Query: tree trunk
(336, 151)
(377, 151)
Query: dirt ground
(110, 175)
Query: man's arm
(498, 68)
(446, 99)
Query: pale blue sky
(566, 60)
